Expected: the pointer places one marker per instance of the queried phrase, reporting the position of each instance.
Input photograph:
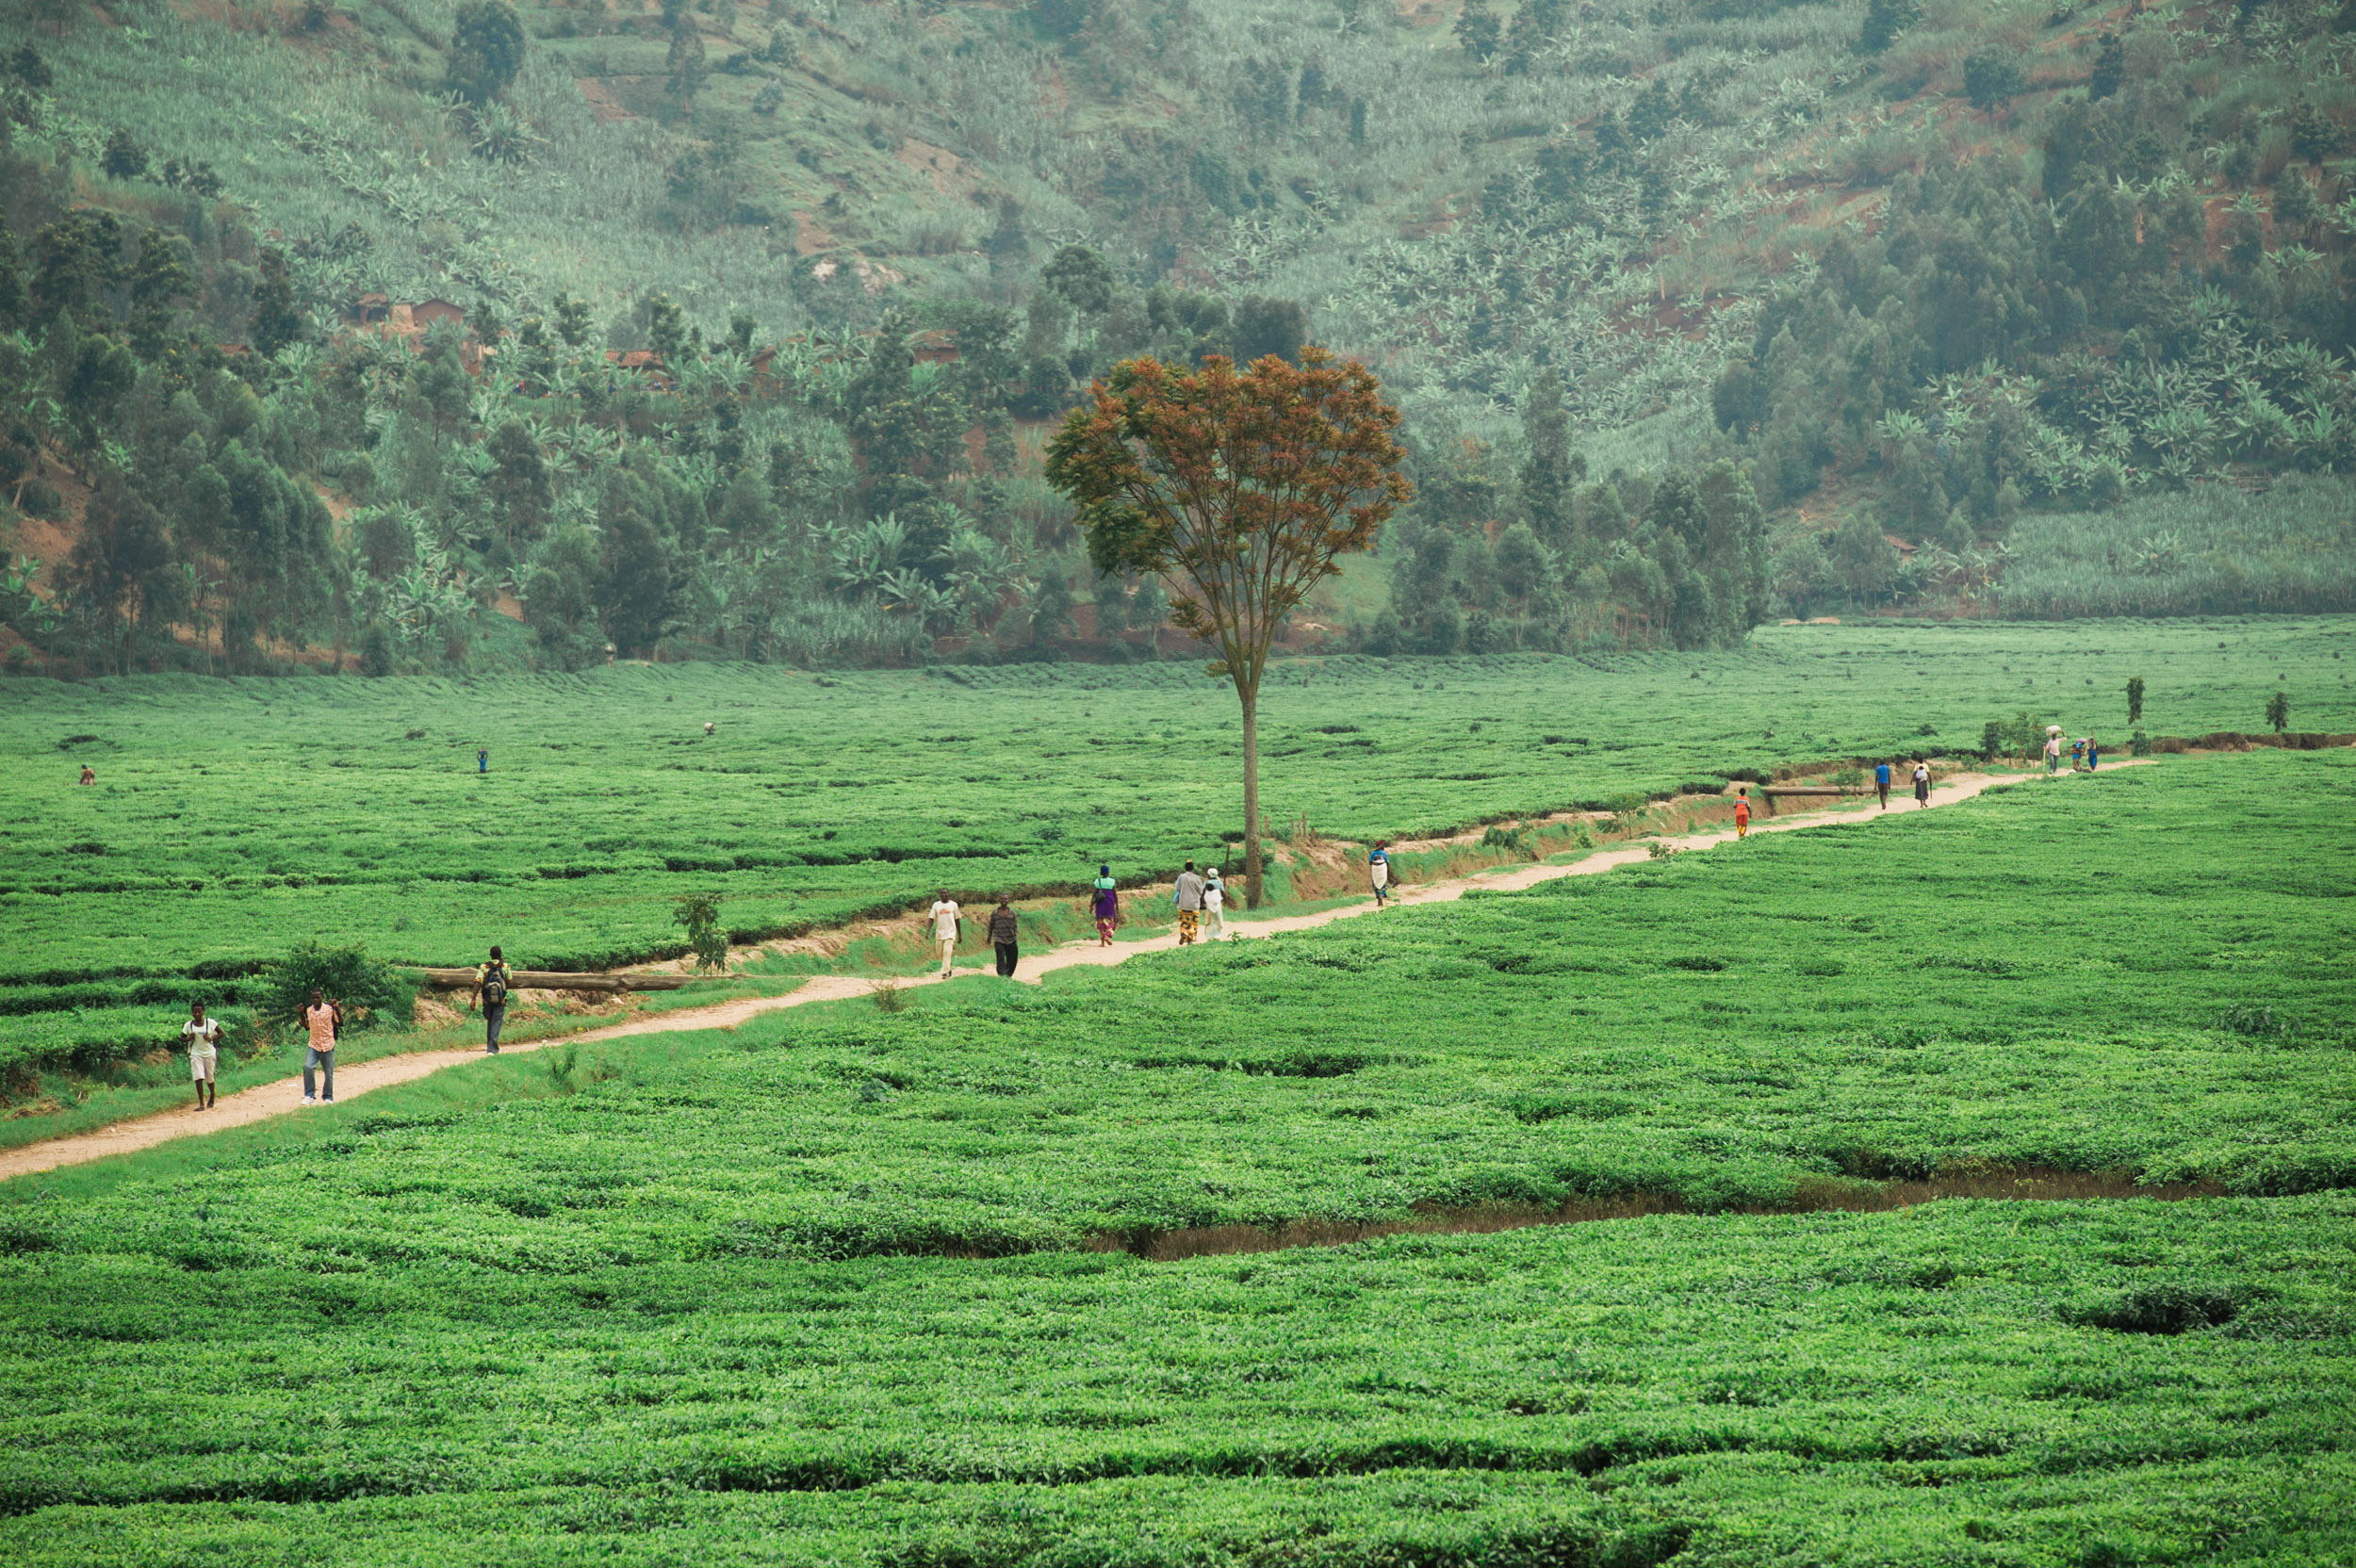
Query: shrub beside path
(283, 1097)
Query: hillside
(432, 336)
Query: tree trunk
(1250, 700)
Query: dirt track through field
(284, 1096)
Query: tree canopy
(1240, 487)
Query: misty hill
(462, 334)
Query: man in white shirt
(204, 1038)
(946, 925)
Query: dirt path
(285, 1095)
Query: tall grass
(2209, 551)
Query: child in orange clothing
(1742, 813)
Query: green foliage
(486, 50)
(700, 914)
(124, 160)
(1884, 21)
(605, 801)
(1992, 78)
(2279, 711)
(2135, 699)
(367, 990)
(1782, 1367)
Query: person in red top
(322, 1017)
(1742, 813)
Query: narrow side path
(284, 1097)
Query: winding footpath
(284, 1097)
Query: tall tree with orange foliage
(1238, 488)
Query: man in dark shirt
(1003, 936)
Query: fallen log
(555, 980)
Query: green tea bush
(2163, 1309)
(2261, 1022)
(369, 991)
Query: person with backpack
(322, 1017)
(1379, 870)
(1104, 904)
(492, 982)
(1881, 782)
(204, 1038)
(1004, 935)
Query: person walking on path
(322, 1017)
(948, 923)
(2094, 754)
(2053, 752)
(204, 1038)
(1215, 904)
(1743, 812)
(1104, 904)
(1922, 782)
(2077, 754)
(1881, 782)
(1004, 936)
(1379, 870)
(1187, 895)
(492, 982)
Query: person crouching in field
(1004, 935)
(204, 1038)
(1743, 812)
(1215, 904)
(1106, 906)
(322, 1017)
(492, 982)
(948, 923)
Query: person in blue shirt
(483, 761)
(1881, 783)
(1379, 872)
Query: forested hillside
(430, 335)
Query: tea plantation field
(822, 1290)
(232, 818)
